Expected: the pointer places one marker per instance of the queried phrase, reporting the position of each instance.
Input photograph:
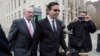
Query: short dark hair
(49, 6)
(83, 12)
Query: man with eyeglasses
(49, 32)
(21, 35)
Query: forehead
(82, 13)
(55, 7)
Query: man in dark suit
(49, 32)
(21, 34)
(4, 48)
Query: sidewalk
(94, 42)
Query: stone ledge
(84, 54)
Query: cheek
(26, 14)
(53, 12)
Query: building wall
(13, 9)
(97, 14)
(74, 7)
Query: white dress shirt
(50, 21)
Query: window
(15, 16)
(8, 7)
(24, 1)
(12, 16)
(19, 12)
(11, 4)
(15, 3)
(8, 19)
(63, 2)
(63, 15)
(19, 2)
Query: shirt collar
(27, 20)
(50, 19)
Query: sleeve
(12, 34)
(62, 40)
(70, 26)
(4, 48)
(2, 32)
(90, 26)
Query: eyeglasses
(55, 10)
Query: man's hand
(87, 18)
(68, 52)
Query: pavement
(94, 43)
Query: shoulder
(17, 20)
(74, 22)
(59, 21)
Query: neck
(52, 17)
(27, 19)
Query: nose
(57, 12)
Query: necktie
(54, 28)
(30, 29)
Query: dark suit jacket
(49, 43)
(4, 48)
(20, 38)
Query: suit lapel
(58, 27)
(25, 27)
(48, 24)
